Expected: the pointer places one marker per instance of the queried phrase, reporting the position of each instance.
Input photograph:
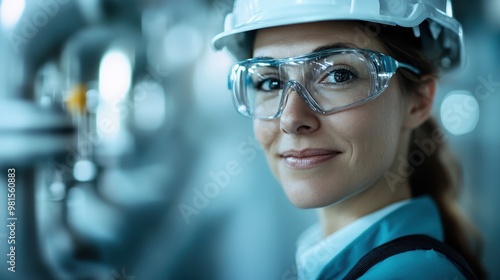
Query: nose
(297, 117)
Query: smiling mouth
(308, 158)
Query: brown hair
(439, 175)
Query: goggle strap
(389, 64)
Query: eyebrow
(263, 57)
(321, 48)
(334, 46)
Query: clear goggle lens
(328, 81)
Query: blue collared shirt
(347, 245)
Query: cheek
(266, 132)
(373, 132)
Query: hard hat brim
(235, 32)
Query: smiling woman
(336, 106)
(323, 159)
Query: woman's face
(322, 159)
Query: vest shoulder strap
(398, 246)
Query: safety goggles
(328, 81)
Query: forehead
(293, 40)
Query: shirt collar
(315, 252)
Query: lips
(307, 158)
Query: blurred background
(131, 163)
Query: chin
(306, 196)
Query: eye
(269, 84)
(339, 76)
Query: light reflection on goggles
(328, 81)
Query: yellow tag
(77, 99)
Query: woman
(341, 103)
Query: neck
(335, 217)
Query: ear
(420, 103)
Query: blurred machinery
(90, 122)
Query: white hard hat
(250, 15)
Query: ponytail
(439, 175)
